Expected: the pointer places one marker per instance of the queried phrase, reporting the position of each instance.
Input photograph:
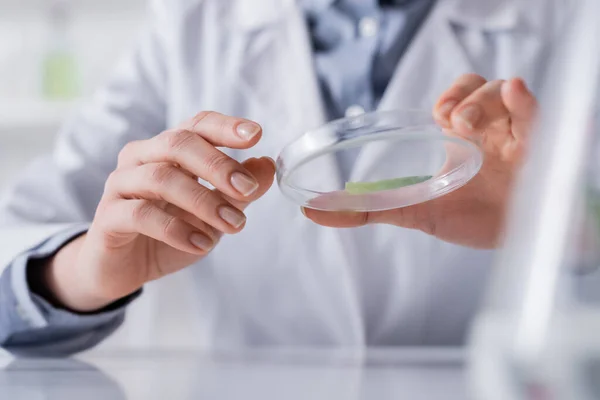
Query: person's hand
(155, 218)
(499, 116)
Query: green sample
(388, 184)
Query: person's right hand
(155, 218)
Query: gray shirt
(357, 45)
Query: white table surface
(186, 375)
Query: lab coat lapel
(278, 71)
(419, 78)
(308, 113)
(279, 77)
(278, 74)
(435, 58)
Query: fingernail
(304, 211)
(445, 109)
(243, 184)
(469, 117)
(201, 241)
(247, 130)
(232, 216)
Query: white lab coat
(284, 280)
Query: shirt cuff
(28, 311)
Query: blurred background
(53, 53)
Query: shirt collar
(485, 14)
(315, 6)
(319, 5)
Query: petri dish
(375, 162)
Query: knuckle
(216, 162)
(142, 211)
(200, 198)
(170, 226)
(178, 139)
(161, 173)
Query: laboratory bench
(427, 374)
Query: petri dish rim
(426, 131)
(341, 147)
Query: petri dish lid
(375, 162)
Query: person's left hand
(497, 114)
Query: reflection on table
(376, 374)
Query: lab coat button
(368, 27)
(354, 111)
(22, 314)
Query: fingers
(406, 217)
(164, 182)
(345, 219)
(146, 218)
(480, 109)
(472, 104)
(522, 106)
(411, 217)
(462, 88)
(155, 190)
(223, 130)
(194, 154)
(474, 111)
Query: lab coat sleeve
(29, 325)
(58, 194)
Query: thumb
(411, 217)
(417, 216)
(522, 106)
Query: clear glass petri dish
(376, 161)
